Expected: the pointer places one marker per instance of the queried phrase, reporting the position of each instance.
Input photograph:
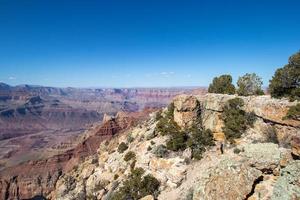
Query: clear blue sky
(142, 43)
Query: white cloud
(167, 74)
(12, 78)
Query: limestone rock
(187, 110)
(149, 197)
(228, 180)
(171, 170)
(262, 155)
(288, 183)
(295, 144)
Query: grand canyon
(46, 130)
(149, 100)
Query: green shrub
(130, 138)
(158, 115)
(177, 141)
(249, 84)
(293, 112)
(160, 151)
(149, 148)
(222, 85)
(137, 186)
(236, 120)
(236, 151)
(198, 141)
(116, 176)
(152, 142)
(132, 165)
(170, 112)
(122, 147)
(271, 135)
(190, 194)
(167, 126)
(129, 155)
(286, 80)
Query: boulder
(170, 170)
(228, 180)
(287, 185)
(262, 155)
(187, 110)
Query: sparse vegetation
(177, 141)
(199, 140)
(236, 120)
(116, 176)
(122, 147)
(166, 125)
(101, 185)
(149, 148)
(196, 137)
(286, 80)
(129, 156)
(190, 194)
(160, 151)
(236, 150)
(158, 115)
(293, 112)
(249, 84)
(137, 186)
(271, 135)
(129, 138)
(222, 85)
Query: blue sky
(145, 43)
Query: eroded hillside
(171, 156)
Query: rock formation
(255, 167)
(252, 169)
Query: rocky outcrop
(287, 185)
(186, 110)
(268, 111)
(240, 176)
(229, 179)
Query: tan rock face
(171, 170)
(187, 110)
(295, 144)
(270, 109)
(149, 197)
(229, 180)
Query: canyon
(255, 167)
(45, 131)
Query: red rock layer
(34, 178)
